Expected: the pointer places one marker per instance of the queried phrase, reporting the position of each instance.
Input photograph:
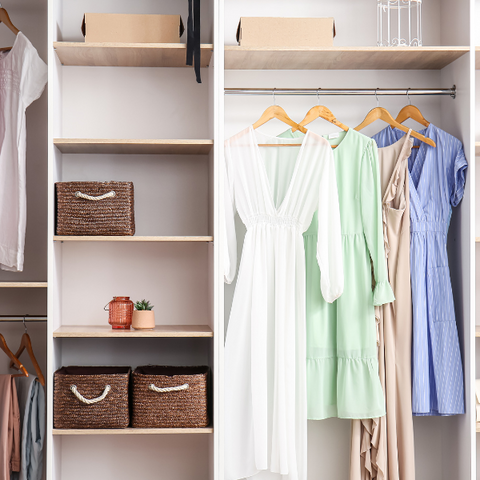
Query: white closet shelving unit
(133, 112)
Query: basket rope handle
(100, 197)
(168, 389)
(91, 401)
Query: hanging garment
(31, 401)
(23, 76)
(437, 182)
(383, 448)
(9, 428)
(275, 192)
(342, 363)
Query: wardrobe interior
(178, 194)
(443, 445)
(25, 293)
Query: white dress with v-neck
(275, 192)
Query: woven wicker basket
(168, 397)
(91, 397)
(95, 208)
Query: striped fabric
(437, 181)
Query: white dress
(23, 76)
(275, 192)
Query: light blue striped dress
(437, 181)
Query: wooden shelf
(341, 58)
(131, 431)
(141, 147)
(127, 54)
(23, 284)
(91, 238)
(160, 331)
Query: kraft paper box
(285, 32)
(128, 28)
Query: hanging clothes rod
(452, 92)
(20, 318)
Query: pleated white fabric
(275, 192)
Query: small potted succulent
(143, 316)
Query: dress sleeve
(34, 75)
(456, 177)
(371, 211)
(329, 243)
(229, 234)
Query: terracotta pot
(143, 320)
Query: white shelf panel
(132, 431)
(132, 147)
(160, 331)
(341, 58)
(60, 238)
(127, 54)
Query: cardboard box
(285, 32)
(127, 28)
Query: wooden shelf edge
(143, 46)
(23, 285)
(160, 331)
(128, 54)
(134, 146)
(132, 431)
(342, 58)
(60, 238)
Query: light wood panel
(341, 58)
(128, 54)
(23, 284)
(477, 330)
(106, 331)
(92, 238)
(477, 149)
(142, 147)
(132, 431)
(478, 427)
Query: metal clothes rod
(19, 318)
(343, 91)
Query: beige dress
(382, 448)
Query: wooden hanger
(26, 344)
(320, 111)
(275, 111)
(4, 18)
(411, 111)
(380, 113)
(12, 357)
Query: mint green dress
(342, 362)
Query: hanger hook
(408, 96)
(24, 324)
(318, 96)
(376, 97)
(274, 101)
